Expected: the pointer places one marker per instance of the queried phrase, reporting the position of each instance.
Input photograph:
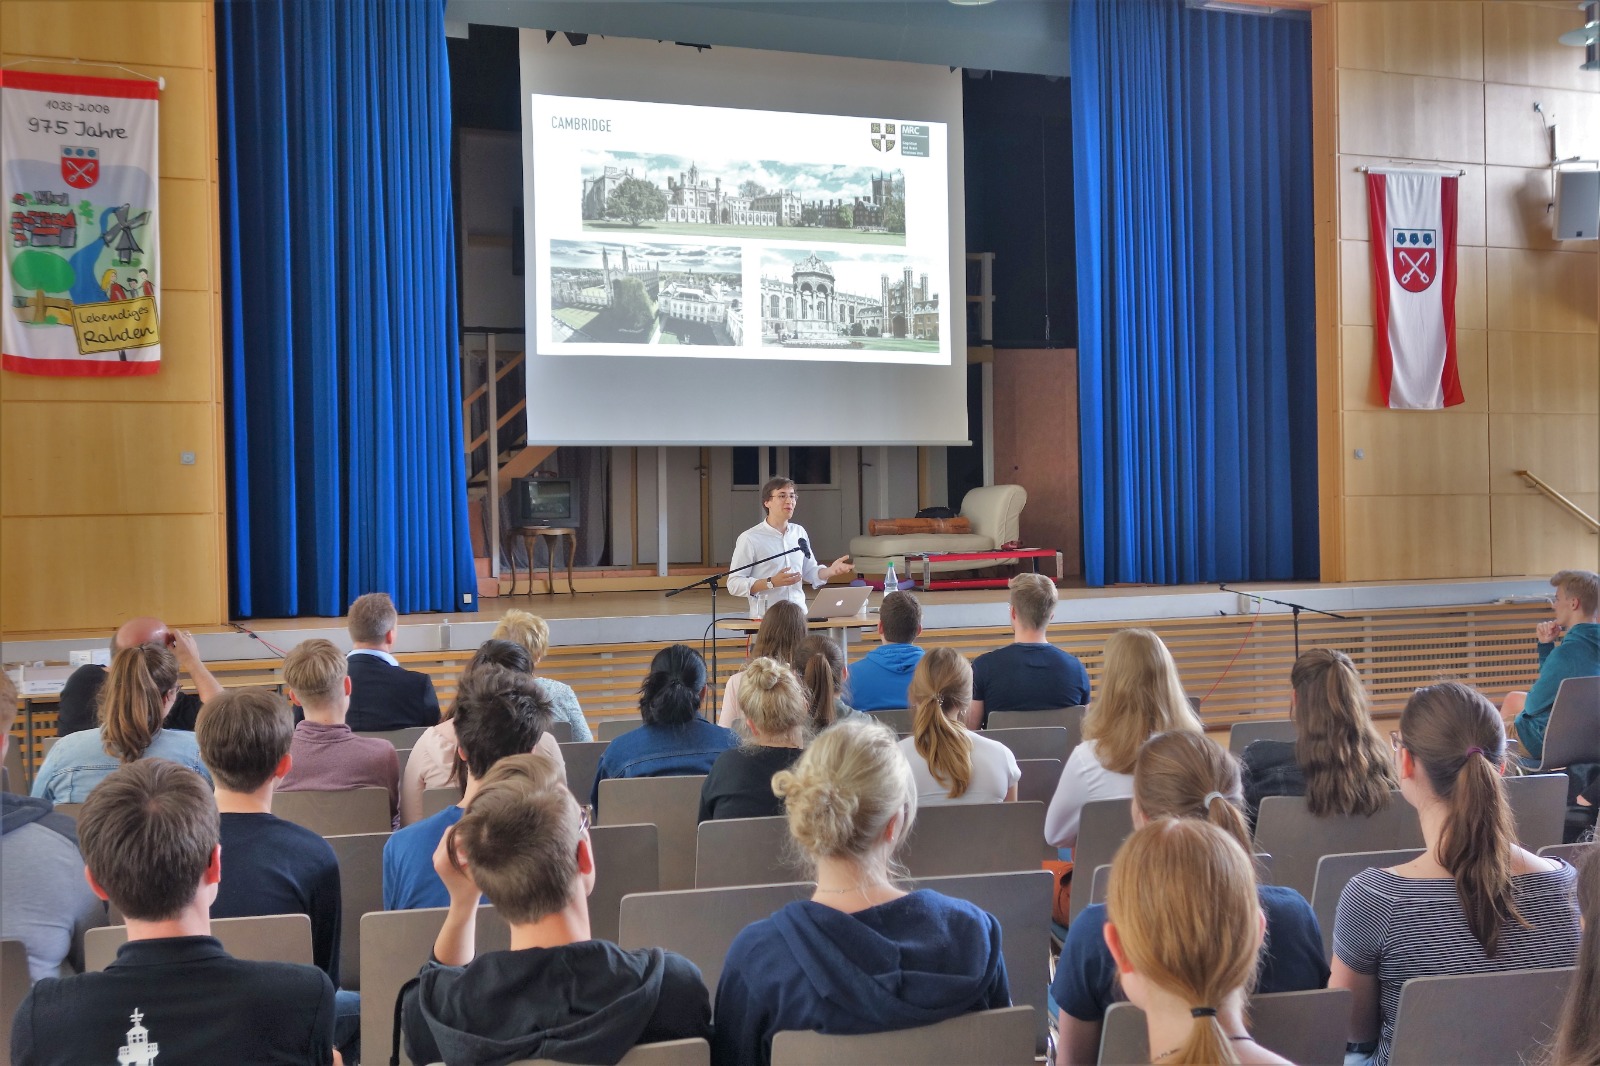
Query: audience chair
(404, 756)
(1539, 804)
(1070, 718)
(695, 1051)
(394, 945)
(44, 745)
(1244, 734)
(1101, 885)
(746, 851)
(268, 938)
(1442, 1021)
(360, 858)
(435, 800)
(1034, 742)
(1573, 733)
(561, 730)
(14, 985)
(1307, 1028)
(69, 809)
(1335, 871)
(612, 728)
(897, 719)
(1038, 783)
(989, 1036)
(344, 813)
(972, 838)
(1569, 853)
(400, 738)
(583, 764)
(1287, 831)
(16, 775)
(626, 861)
(1102, 827)
(672, 805)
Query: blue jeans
(347, 1024)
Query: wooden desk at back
(840, 626)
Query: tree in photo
(635, 200)
(631, 306)
(847, 216)
(752, 189)
(894, 216)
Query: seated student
(780, 636)
(325, 755)
(862, 955)
(150, 846)
(532, 634)
(1337, 760)
(1140, 695)
(499, 713)
(674, 740)
(1180, 775)
(824, 675)
(1029, 674)
(949, 762)
(775, 715)
(434, 761)
(1569, 646)
(879, 679)
(1185, 957)
(1474, 902)
(557, 993)
(1578, 1035)
(383, 694)
(274, 866)
(80, 698)
(44, 900)
(138, 693)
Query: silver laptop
(843, 602)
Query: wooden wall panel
(1520, 46)
(1444, 40)
(1543, 373)
(1522, 196)
(1420, 537)
(1559, 448)
(1401, 116)
(1535, 537)
(1414, 453)
(1516, 133)
(1541, 291)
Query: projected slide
(672, 230)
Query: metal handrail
(1561, 501)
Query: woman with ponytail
(139, 690)
(674, 740)
(1337, 760)
(1578, 1037)
(862, 955)
(949, 763)
(1474, 901)
(1187, 958)
(775, 717)
(823, 672)
(1181, 775)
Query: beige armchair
(995, 512)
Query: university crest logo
(1414, 258)
(883, 136)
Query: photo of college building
(805, 308)
(643, 294)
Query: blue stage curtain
(1196, 300)
(346, 472)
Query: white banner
(81, 274)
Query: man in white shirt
(779, 579)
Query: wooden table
(840, 626)
(532, 535)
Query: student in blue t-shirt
(498, 713)
(1028, 674)
(1180, 775)
(879, 680)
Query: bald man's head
(137, 631)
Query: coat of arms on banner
(79, 179)
(1416, 258)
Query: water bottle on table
(890, 582)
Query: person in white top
(779, 579)
(1140, 695)
(782, 632)
(949, 763)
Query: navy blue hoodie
(912, 961)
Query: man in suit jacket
(383, 694)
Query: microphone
(805, 547)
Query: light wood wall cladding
(98, 519)
(1436, 494)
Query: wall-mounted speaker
(1577, 216)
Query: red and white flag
(1413, 223)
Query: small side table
(532, 535)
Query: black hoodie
(588, 1002)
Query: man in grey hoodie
(44, 900)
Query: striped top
(1403, 927)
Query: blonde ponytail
(940, 692)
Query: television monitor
(546, 501)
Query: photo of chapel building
(806, 307)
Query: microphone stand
(712, 583)
(1294, 609)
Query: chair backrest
(1335, 871)
(268, 938)
(973, 838)
(1307, 1028)
(990, 1036)
(45, 744)
(404, 755)
(14, 986)
(672, 805)
(626, 860)
(16, 773)
(995, 511)
(695, 1051)
(1573, 731)
(1444, 1020)
(1101, 885)
(329, 814)
(561, 730)
(400, 738)
(360, 858)
(1034, 742)
(1068, 718)
(746, 851)
(898, 719)
(435, 800)
(1039, 779)
(1539, 805)
(1244, 734)
(583, 764)
(1571, 853)
(1296, 840)
(612, 728)
(394, 945)
(1102, 827)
